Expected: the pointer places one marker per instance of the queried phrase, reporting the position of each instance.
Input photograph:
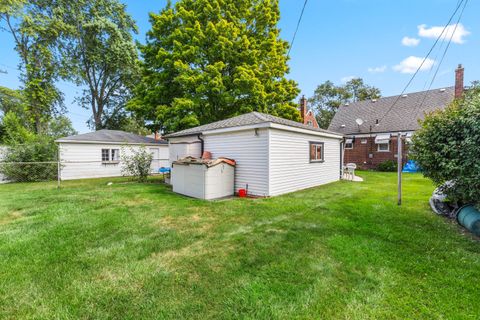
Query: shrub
(447, 148)
(387, 166)
(136, 163)
(31, 161)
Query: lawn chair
(349, 171)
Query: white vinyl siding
(84, 160)
(290, 166)
(184, 146)
(250, 151)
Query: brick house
(308, 117)
(371, 128)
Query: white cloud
(411, 64)
(347, 78)
(410, 42)
(377, 69)
(434, 32)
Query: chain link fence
(18, 172)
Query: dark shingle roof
(244, 120)
(111, 136)
(403, 116)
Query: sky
(381, 41)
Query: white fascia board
(110, 142)
(239, 128)
(373, 134)
(306, 131)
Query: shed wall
(290, 166)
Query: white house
(99, 154)
(273, 155)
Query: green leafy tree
(35, 27)
(101, 55)
(446, 148)
(207, 60)
(328, 97)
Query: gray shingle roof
(244, 120)
(111, 136)
(403, 116)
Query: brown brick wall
(360, 153)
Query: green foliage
(328, 97)
(14, 131)
(136, 163)
(17, 162)
(207, 60)
(387, 166)
(447, 147)
(35, 27)
(101, 55)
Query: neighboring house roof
(403, 116)
(251, 118)
(111, 136)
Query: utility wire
(443, 56)
(296, 29)
(423, 61)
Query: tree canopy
(328, 97)
(207, 60)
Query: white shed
(273, 155)
(99, 154)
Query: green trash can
(469, 217)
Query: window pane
(115, 155)
(312, 152)
(319, 152)
(105, 155)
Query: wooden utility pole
(399, 167)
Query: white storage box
(203, 179)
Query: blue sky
(338, 40)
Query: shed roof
(251, 118)
(403, 116)
(111, 136)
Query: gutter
(199, 136)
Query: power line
(443, 56)
(296, 29)
(423, 61)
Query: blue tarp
(411, 167)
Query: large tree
(35, 27)
(101, 56)
(207, 60)
(328, 97)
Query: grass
(139, 251)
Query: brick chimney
(303, 108)
(459, 81)
(158, 136)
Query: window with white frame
(110, 155)
(309, 123)
(105, 155)
(316, 151)
(383, 147)
(349, 144)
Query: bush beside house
(447, 148)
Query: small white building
(99, 154)
(273, 155)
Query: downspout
(199, 136)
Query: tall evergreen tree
(207, 60)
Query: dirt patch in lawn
(10, 217)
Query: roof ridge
(260, 116)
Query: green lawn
(139, 251)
